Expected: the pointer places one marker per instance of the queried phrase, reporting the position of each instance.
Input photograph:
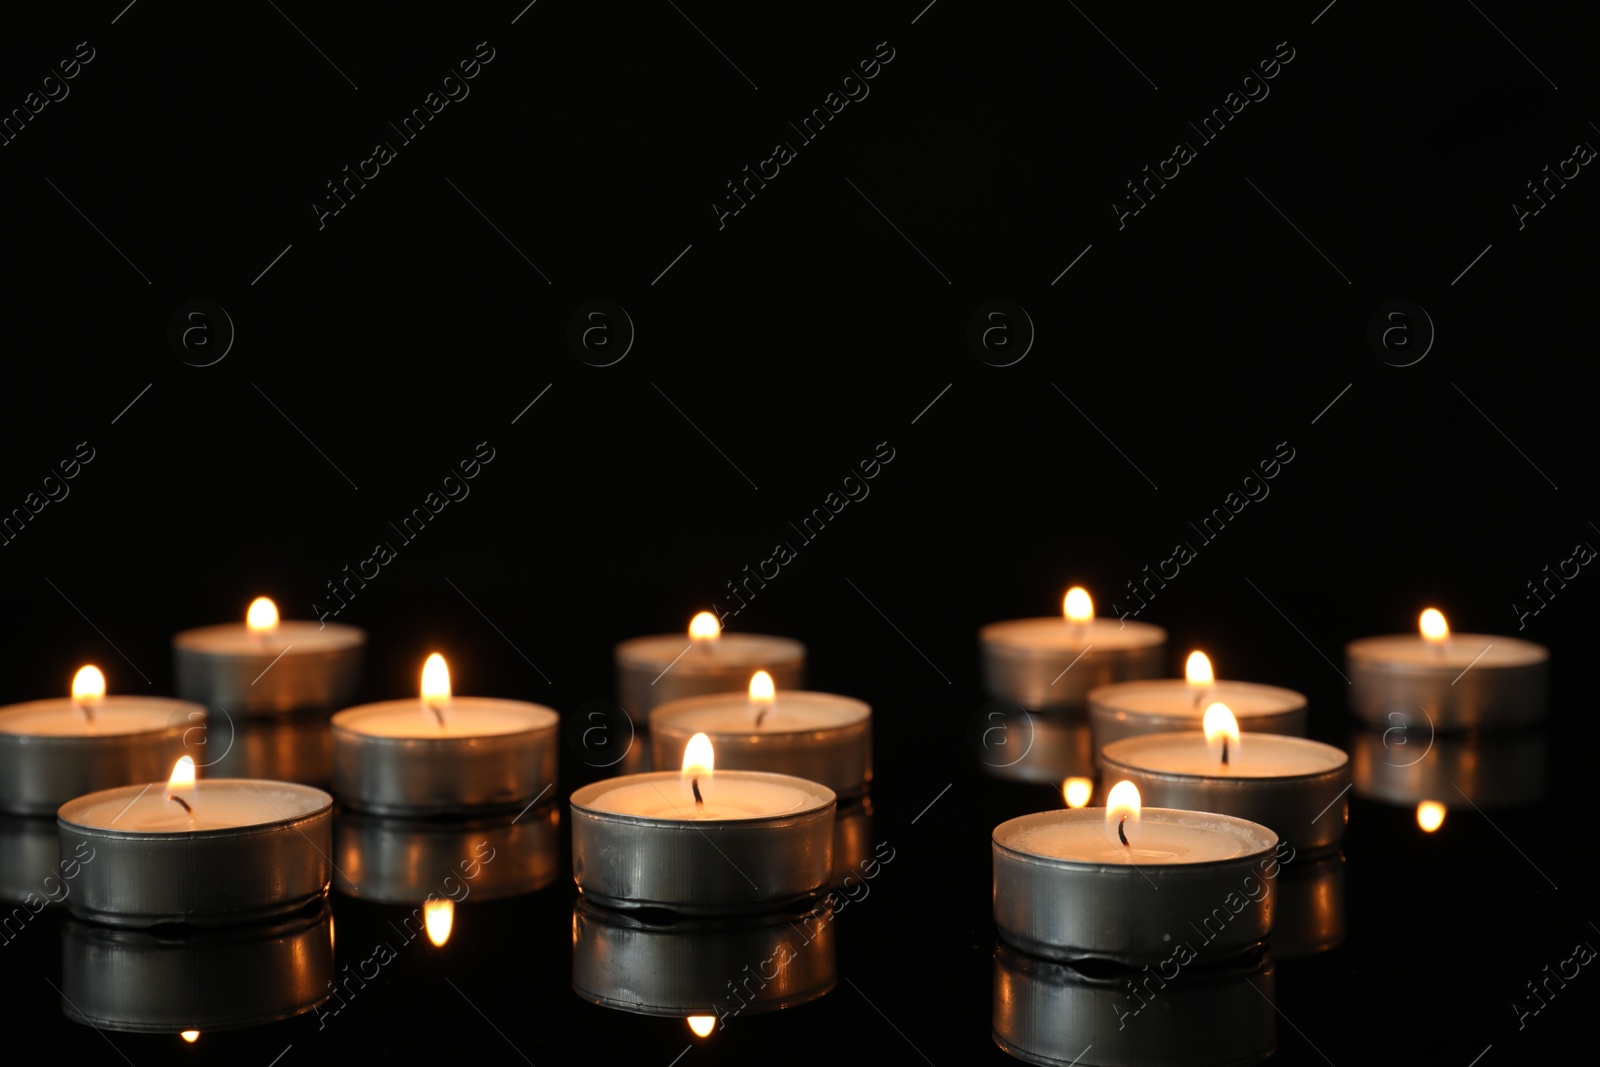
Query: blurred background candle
(54, 750)
(1054, 662)
(268, 666)
(1447, 682)
(654, 670)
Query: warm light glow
(1077, 606)
(262, 616)
(181, 785)
(1198, 670)
(698, 761)
(1222, 732)
(190, 1036)
(1430, 815)
(1075, 791)
(88, 685)
(1434, 629)
(704, 627)
(1122, 801)
(435, 680)
(761, 687)
(702, 1025)
(439, 915)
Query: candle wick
(181, 803)
(694, 784)
(88, 712)
(1224, 751)
(762, 714)
(1120, 833)
(437, 714)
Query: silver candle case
(1055, 1015)
(839, 757)
(1447, 698)
(200, 877)
(406, 776)
(1080, 909)
(647, 678)
(701, 867)
(720, 967)
(1310, 811)
(1495, 772)
(1025, 746)
(1112, 721)
(285, 748)
(402, 861)
(30, 862)
(39, 773)
(1042, 678)
(135, 980)
(243, 684)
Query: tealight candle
(1121, 882)
(1054, 662)
(1446, 681)
(1293, 786)
(1164, 705)
(817, 736)
(699, 842)
(54, 750)
(268, 666)
(220, 850)
(654, 670)
(441, 754)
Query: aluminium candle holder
(1033, 663)
(227, 670)
(654, 670)
(832, 745)
(1506, 689)
(1166, 705)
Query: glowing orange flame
(88, 686)
(704, 627)
(761, 687)
(699, 759)
(1434, 629)
(180, 787)
(1077, 606)
(1222, 732)
(1122, 807)
(439, 915)
(262, 616)
(190, 1036)
(436, 689)
(1076, 791)
(1430, 815)
(1197, 669)
(702, 1025)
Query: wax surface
(1255, 756)
(218, 803)
(1410, 650)
(1056, 634)
(464, 717)
(1174, 696)
(728, 796)
(1160, 838)
(300, 638)
(112, 716)
(728, 650)
(735, 713)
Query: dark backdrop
(1155, 360)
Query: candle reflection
(402, 861)
(1027, 746)
(1407, 765)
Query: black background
(774, 354)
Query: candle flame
(1122, 807)
(761, 687)
(180, 787)
(435, 689)
(698, 761)
(1430, 815)
(1434, 629)
(262, 616)
(1198, 670)
(1222, 732)
(704, 627)
(1076, 791)
(1077, 606)
(88, 685)
(438, 915)
(190, 1036)
(702, 1025)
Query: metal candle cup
(654, 670)
(50, 751)
(1294, 787)
(283, 748)
(392, 759)
(298, 665)
(817, 736)
(764, 841)
(1165, 705)
(1053, 663)
(402, 861)
(1065, 888)
(247, 850)
(1470, 682)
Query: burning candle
(1295, 787)
(817, 736)
(701, 841)
(1136, 879)
(268, 666)
(215, 851)
(1055, 662)
(440, 753)
(1165, 705)
(54, 750)
(654, 670)
(1443, 681)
